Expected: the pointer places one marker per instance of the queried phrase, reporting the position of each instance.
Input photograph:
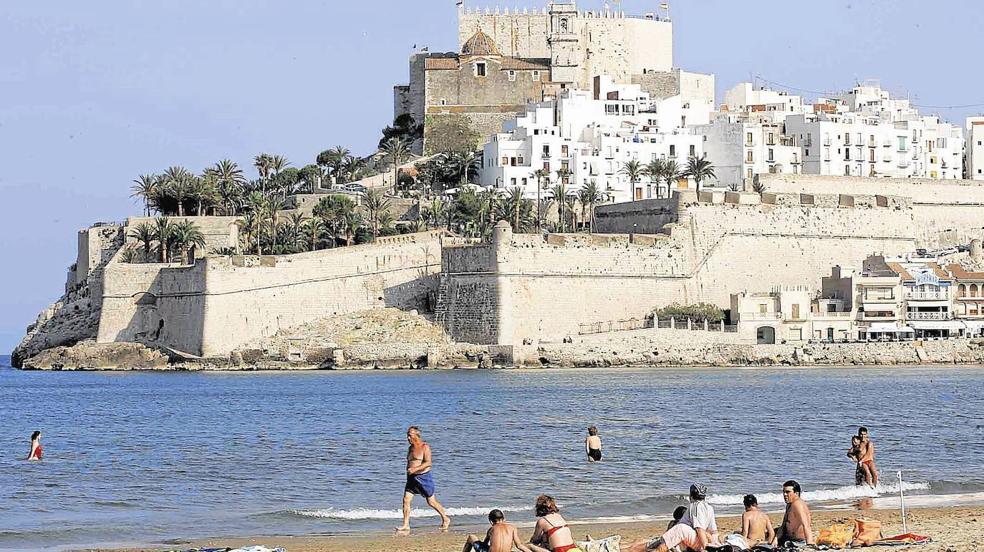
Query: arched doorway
(765, 335)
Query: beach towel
(607, 544)
(258, 549)
(904, 539)
(838, 534)
(866, 531)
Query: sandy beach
(956, 529)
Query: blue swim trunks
(421, 484)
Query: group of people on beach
(693, 528)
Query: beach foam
(822, 495)
(371, 513)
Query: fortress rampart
(523, 288)
(221, 303)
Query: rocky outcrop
(75, 316)
(89, 355)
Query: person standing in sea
(419, 480)
(868, 458)
(36, 451)
(592, 445)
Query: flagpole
(902, 503)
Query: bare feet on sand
(403, 530)
(445, 523)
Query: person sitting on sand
(36, 451)
(696, 530)
(592, 445)
(861, 473)
(796, 525)
(677, 515)
(419, 480)
(868, 458)
(501, 537)
(756, 527)
(551, 533)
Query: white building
(589, 136)
(974, 145)
(741, 147)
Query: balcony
(877, 316)
(926, 296)
(928, 316)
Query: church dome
(480, 44)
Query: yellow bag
(866, 531)
(838, 534)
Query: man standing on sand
(868, 458)
(797, 526)
(501, 537)
(419, 480)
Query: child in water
(592, 445)
(854, 453)
(36, 451)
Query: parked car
(921, 252)
(357, 188)
(963, 248)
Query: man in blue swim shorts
(419, 480)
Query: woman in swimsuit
(592, 445)
(551, 533)
(36, 451)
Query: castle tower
(563, 38)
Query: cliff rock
(89, 355)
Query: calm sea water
(144, 457)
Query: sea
(143, 458)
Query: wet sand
(956, 529)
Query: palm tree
(294, 230)
(385, 222)
(144, 186)
(204, 191)
(654, 170)
(228, 182)
(397, 150)
(162, 231)
(542, 177)
(184, 235)
(274, 204)
(589, 197)
(632, 170)
(515, 202)
(144, 233)
(263, 163)
(469, 163)
(177, 183)
(256, 202)
(559, 194)
(278, 163)
(333, 210)
(700, 169)
(350, 224)
(671, 172)
(333, 160)
(312, 176)
(351, 168)
(314, 227)
(375, 203)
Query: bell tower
(564, 41)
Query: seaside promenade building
(974, 146)
(584, 137)
(508, 59)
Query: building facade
(974, 149)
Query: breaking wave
(371, 513)
(847, 492)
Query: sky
(93, 94)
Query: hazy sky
(94, 93)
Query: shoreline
(644, 348)
(956, 528)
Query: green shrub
(698, 312)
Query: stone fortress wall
(530, 289)
(223, 302)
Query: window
(512, 162)
(546, 150)
(524, 182)
(796, 311)
(693, 150)
(763, 308)
(748, 138)
(512, 76)
(749, 173)
(536, 75)
(771, 155)
(672, 150)
(512, 182)
(505, 161)
(806, 153)
(611, 109)
(480, 69)
(749, 157)
(519, 160)
(444, 102)
(563, 150)
(772, 139)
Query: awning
(936, 325)
(973, 324)
(888, 327)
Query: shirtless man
(861, 472)
(419, 480)
(796, 522)
(868, 458)
(756, 527)
(501, 537)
